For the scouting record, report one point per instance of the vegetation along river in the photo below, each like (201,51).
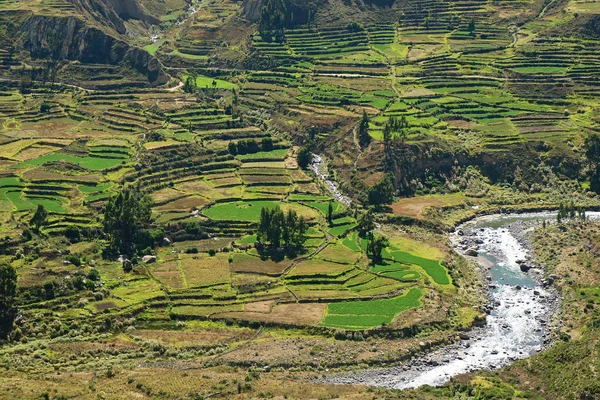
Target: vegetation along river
(520,310)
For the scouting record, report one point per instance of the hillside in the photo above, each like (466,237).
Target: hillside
(144,143)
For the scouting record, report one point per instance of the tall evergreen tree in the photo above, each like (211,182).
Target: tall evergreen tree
(364,139)
(126,216)
(8,291)
(39,218)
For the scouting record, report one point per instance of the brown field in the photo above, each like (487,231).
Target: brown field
(414,206)
(293,314)
(193,338)
(185,204)
(219,175)
(319,267)
(41,174)
(339,253)
(260,306)
(243,262)
(202,270)
(224,182)
(166,195)
(204,244)
(265,179)
(310,188)
(168,273)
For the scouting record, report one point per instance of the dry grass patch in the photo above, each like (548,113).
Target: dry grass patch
(168,273)
(318,267)
(193,338)
(184,204)
(415,206)
(339,253)
(201,270)
(243,262)
(292,314)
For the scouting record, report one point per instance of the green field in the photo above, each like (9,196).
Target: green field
(432,267)
(239,210)
(369,313)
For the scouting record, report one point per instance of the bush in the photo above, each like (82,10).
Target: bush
(304,157)
(45,108)
(212,252)
(73,233)
(191,250)
(74,259)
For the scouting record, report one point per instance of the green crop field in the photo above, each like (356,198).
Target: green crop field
(239,211)
(369,313)
(432,267)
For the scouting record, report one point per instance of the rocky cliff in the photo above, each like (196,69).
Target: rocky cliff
(71,38)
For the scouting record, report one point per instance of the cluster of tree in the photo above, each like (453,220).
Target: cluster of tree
(304,157)
(277,229)
(364,139)
(127,223)
(375,243)
(355,27)
(250,146)
(8,291)
(39,218)
(382,192)
(190,85)
(396,157)
(570,211)
(592,152)
(274,17)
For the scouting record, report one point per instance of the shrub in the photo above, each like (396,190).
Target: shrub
(73,233)
(74,259)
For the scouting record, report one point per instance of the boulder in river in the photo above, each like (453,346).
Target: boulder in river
(471,252)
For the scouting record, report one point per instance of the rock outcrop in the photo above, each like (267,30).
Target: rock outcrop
(70,38)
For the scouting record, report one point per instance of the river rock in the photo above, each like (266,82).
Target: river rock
(471,252)
(149,259)
(524,267)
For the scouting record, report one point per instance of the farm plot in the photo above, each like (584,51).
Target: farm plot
(201,270)
(369,313)
(433,268)
(242,262)
(239,210)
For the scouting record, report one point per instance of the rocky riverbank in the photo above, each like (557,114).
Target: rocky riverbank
(521,307)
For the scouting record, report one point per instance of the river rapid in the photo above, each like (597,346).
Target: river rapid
(520,309)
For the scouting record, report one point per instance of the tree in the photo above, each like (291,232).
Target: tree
(375,245)
(190,85)
(471,27)
(592,153)
(364,139)
(273,20)
(382,192)
(232,147)
(304,157)
(330,213)
(126,217)
(8,291)
(366,223)
(266,144)
(39,218)
(45,108)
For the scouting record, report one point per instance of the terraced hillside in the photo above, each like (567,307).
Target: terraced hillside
(426,113)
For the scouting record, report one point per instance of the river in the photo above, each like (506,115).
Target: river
(520,311)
